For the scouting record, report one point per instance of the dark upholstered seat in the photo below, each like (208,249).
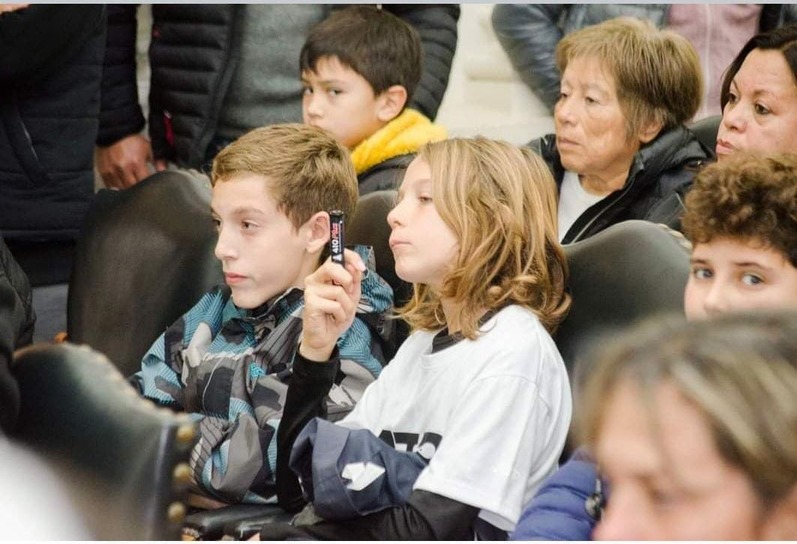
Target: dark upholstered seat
(145,256)
(369,227)
(628,272)
(706,130)
(124,460)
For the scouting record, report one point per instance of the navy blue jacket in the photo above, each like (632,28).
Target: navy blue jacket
(355,473)
(562,509)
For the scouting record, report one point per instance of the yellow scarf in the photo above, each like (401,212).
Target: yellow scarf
(404,134)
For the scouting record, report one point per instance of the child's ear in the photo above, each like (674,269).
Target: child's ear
(317,232)
(390,103)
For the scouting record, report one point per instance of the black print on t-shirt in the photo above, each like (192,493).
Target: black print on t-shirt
(424,445)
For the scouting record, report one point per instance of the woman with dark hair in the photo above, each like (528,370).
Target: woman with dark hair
(759,95)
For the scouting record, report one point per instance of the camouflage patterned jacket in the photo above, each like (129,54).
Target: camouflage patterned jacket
(230,367)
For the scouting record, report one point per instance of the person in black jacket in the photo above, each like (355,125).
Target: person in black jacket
(621,150)
(219,71)
(50,77)
(17,319)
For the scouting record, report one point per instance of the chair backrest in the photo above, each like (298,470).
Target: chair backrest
(145,256)
(706,130)
(623,274)
(124,459)
(369,227)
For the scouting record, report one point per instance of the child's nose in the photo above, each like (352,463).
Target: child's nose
(313,106)
(716,300)
(393,216)
(224,249)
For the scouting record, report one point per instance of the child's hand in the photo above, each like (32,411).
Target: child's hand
(331,294)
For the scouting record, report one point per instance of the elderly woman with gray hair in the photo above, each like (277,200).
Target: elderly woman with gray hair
(621,150)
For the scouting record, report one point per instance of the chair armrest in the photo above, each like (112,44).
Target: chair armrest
(213,524)
(243,530)
(125,460)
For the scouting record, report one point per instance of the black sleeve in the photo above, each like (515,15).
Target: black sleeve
(16,330)
(120,112)
(436,25)
(9,391)
(426,516)
(310,383)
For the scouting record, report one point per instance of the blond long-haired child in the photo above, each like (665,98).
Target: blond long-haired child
(478,390)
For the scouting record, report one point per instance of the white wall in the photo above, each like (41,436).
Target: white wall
(485,96)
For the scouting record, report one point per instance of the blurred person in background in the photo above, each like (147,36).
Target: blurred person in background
(695,429)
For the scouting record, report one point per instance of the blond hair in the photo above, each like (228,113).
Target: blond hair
(739,370)
(657,72)
(307,169)
(500,201)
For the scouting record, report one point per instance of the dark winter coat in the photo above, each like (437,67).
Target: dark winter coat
(50,76)
(660,175)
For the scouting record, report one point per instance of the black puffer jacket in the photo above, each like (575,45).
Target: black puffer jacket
(50,73)
(659,177)
(16,330)
(192,59)
(385,175)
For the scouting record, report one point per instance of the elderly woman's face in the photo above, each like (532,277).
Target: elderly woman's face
(591,133)
(668,480)
(761,113)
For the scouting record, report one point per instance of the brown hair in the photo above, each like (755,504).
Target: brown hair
(376,44)
(657,72)
(746,197)
(500,201)
(307,170)
(739,370)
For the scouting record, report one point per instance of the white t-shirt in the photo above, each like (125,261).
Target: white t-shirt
(492,413)
(573,201)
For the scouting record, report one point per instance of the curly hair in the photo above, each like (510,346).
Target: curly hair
(746,197)
(500,201)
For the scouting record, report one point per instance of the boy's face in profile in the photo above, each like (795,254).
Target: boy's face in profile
(261,252)
(340,101)
(733,275)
